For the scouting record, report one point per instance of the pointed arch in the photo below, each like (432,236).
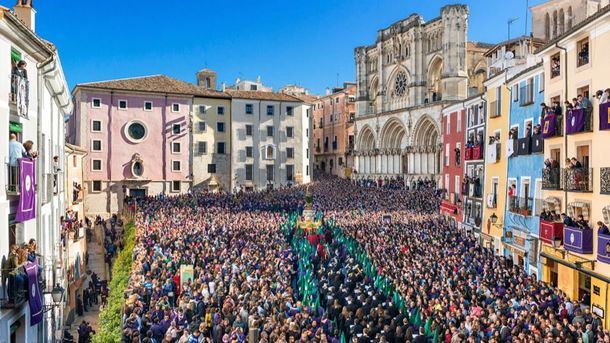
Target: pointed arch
(366,139)
(425,132)
(562,21)
(434,74)
(392,134)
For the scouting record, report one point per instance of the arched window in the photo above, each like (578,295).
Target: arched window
(270,152)
(554,24)
(562,21)
(570,17)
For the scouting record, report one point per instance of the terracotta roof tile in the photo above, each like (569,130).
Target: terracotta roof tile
(155,84)
(255,95)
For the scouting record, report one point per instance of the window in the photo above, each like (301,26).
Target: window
(289,152)
(541,83)
(96,145)
(459,121)
(248,172)
(212,168)
(527,92)
(96,103)
(290,111)
(136,131)
(270,110)
(202,148)
(269,172)
(96,165)
(340,161)
(122,104)
(448,128)
(220,127)
(515,92)
(249,109)
(269,131)
(248,130)
(555,65)
(336,100)
(220,110)
(97,186)
(289,172)
(249,151)
(447,155)
(175,107)
(202,109)
(307,132)
(176,129)
(583,52)
(289,132)
(307,170)
(176,147)
(253,87)
(96,126)
(148,105)
(202,126)
(176,186)
(220,148)
(269,152)
(176,166)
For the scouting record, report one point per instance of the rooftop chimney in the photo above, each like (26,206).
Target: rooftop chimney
(26,13)
(224,86)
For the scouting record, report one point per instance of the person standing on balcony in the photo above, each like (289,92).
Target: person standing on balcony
(512,193)
(602,228)
(15,150)
(29,150)
(20,69)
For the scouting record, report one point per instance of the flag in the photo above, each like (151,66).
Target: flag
(549,125)
(604,116)
(26,209)
(35,300)
(492,153)
(575,121)
(510,147)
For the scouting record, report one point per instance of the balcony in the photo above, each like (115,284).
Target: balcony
(603,248)
(551,127)
(473,153)
(578,121)
(604,180)
(524,146)
(551,232)
(578,240)
(551,179)
(578,180)
(491,200)
(520,205)
(20,94)
(12,179)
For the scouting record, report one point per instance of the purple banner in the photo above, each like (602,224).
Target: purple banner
(604,116)
(549,126)
(27,198)
(603,248)
(578,240)
(34,298)
(575,121)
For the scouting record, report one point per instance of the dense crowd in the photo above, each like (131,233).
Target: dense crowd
(383,267)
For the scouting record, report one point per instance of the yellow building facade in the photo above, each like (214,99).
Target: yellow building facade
(211,141)
(578,261)
(498,109)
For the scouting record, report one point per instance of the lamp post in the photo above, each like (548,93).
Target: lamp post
(57,295)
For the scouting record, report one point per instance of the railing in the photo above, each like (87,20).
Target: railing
(12,179)
(603,248)
(578,180)
(551,179)
(578,121)
(578,240)
(520,205)
(551,232)
(604,180)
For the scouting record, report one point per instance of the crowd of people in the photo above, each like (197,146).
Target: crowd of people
(383,267)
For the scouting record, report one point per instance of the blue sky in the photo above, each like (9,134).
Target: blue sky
(307,42)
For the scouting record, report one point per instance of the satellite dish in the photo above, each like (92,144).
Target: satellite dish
(509,55)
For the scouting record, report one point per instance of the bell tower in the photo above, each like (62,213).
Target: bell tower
(207,78)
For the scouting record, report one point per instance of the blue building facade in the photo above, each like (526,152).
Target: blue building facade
(525,151)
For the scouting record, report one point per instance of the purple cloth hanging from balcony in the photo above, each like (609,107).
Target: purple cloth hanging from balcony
(26,209)
(604,116)
(549,126)
(575,121)
(34,297)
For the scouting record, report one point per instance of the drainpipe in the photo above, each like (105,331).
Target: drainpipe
(565,136)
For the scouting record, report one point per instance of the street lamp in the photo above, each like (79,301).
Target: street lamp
(57,294)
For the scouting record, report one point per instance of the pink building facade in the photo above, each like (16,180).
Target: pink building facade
(137,138)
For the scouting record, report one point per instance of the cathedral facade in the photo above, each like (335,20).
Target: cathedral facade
(414,69)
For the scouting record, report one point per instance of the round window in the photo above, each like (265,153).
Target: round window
(137,169)
(136,131)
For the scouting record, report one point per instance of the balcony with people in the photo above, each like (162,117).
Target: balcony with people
(579,115)
(19,153)
(20,87)
(494,149)
(551,120)
(16,278)
(578,234)
(577,178)
(551,175)
(520,205)
(603,243)
(474,149)
(471,186)
(551,228)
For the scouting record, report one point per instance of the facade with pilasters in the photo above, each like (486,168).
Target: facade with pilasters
(404,80)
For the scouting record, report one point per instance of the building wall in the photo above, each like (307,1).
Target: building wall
(496,170)
(454,123)
(595,75)
(568,13)
(117,152)
(476,116)
(526,167)
(259,141)
(211,135)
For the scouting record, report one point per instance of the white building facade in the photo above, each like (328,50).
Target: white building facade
(35,103)
(270,138)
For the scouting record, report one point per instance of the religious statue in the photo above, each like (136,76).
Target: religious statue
(307,222)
